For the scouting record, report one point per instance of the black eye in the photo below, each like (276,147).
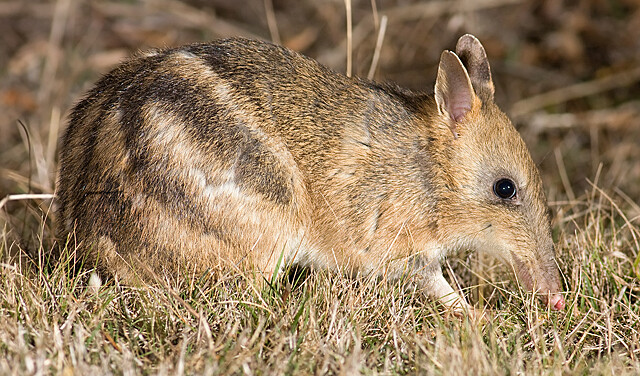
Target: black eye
(505,188)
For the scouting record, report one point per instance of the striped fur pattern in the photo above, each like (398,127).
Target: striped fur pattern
(234,153)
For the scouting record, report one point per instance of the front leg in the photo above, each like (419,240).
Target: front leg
(433,283)
(440,289)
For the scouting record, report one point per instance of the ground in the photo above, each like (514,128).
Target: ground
(567,73)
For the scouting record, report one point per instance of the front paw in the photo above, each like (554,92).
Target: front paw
(474,315)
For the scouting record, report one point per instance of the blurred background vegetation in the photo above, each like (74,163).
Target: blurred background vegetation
(566,71)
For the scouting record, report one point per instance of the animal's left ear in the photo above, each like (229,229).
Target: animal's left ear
(474,58)
(453,91)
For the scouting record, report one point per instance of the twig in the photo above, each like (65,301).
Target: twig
(432,9)
(111,341)
(564,177)
(336,55)
(444,7)
(182,15)
(56,34)
(54,127)
(347,4)
(376,53)
(576,91)
(620,116)
(374,12)
(26,196)
(33,9)
(271,22)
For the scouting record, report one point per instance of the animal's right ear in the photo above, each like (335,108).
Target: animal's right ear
(474,58)
(454,92)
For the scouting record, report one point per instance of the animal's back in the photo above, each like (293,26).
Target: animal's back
(226,153)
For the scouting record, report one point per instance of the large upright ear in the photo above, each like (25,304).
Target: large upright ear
(474,58)
(454,93)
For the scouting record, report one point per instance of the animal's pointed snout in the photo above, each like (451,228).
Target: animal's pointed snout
(555,301)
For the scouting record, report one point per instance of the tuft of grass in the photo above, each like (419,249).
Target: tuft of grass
(55,322)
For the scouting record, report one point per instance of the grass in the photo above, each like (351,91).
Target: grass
(55,322)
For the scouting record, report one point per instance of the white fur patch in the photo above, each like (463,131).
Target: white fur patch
(226,189)
(138,201)
(199,177)
(166,138)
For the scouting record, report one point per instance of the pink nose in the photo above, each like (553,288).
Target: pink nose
(557,302)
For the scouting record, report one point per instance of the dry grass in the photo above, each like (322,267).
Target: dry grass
(55,322)
(567,71)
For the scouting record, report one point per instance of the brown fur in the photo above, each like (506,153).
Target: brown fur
(230,154)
